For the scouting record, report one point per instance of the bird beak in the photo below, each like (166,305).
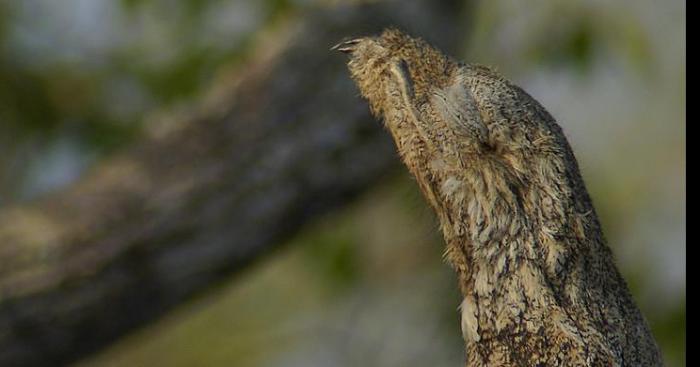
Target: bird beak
(346,46)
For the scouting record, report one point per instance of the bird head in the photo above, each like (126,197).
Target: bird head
(378,64)
(464,131)
(452,106)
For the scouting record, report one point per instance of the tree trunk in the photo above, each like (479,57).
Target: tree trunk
(204,195)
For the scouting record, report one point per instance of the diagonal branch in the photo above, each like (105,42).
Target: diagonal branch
(198,199)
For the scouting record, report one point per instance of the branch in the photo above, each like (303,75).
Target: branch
(203,195)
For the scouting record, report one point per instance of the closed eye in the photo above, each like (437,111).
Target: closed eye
(400,70)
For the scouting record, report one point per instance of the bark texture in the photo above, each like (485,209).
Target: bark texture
(539,282)
(203,195)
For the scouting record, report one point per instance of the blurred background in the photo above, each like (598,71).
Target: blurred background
(364,285)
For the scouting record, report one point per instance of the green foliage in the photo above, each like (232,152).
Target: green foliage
(173,81)
(670,328)
(332,254)
(573,46)
(26,103)
(41,100)
(558,35)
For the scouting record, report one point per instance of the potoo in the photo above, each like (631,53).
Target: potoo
(539,282)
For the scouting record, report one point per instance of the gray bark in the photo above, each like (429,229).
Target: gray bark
(199,199)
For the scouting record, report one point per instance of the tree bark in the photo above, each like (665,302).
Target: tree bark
(202,195)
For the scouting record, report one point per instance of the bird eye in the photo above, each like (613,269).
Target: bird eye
(404,66)
(400,69)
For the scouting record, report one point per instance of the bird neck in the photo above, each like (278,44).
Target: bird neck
(514,247)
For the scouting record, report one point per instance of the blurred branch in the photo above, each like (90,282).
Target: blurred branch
(204,195)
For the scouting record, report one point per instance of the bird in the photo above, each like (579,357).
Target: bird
(539,283)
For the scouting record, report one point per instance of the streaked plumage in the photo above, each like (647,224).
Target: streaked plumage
(539,282)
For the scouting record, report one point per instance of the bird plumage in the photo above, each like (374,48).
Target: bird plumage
(539,282)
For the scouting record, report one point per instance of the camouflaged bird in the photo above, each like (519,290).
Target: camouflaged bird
(539,283)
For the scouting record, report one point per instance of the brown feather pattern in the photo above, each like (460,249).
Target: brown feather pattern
(539,282)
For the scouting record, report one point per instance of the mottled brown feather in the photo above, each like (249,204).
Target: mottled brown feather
(539,282)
